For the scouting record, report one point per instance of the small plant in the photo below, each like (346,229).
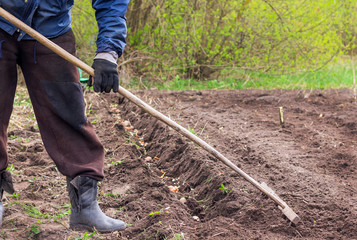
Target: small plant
(113,195)
(86,236)
(34,212)
(3,234)
(116,163)
(35,230)
(32,180)
(177,236)
(63,211)
(12,137)
(153,213)
(224,189)
(11,169)
(192,131)
(159,212)
(120,209)
(16,196)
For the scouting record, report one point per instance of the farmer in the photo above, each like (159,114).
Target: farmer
(57,98)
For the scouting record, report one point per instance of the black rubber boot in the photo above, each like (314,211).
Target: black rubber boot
(85,212)
(5,185)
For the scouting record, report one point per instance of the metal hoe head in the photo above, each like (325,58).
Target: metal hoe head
(287,211)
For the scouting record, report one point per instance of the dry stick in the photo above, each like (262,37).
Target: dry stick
(354,77)
(287,211)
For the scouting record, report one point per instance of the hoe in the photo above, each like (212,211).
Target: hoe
(287,211)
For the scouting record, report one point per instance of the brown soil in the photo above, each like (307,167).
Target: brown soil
(311,163)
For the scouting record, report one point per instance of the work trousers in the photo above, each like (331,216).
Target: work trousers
(57,99)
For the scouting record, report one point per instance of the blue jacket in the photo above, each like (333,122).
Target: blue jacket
(52,18)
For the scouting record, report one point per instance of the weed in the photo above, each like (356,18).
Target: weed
(204,200)
(153,213)
(120,209)
(12,137)
(34,212)
(224,189)
(11,169)
(16,196)
(192,131)
(32,180)
(116,163)
(35,230)
(3,234)
(61,214)
(22,98)
(113,195)
(134,143)
(158,212)
(177,236)
(85,236)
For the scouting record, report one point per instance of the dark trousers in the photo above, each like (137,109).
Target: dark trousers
(57,99)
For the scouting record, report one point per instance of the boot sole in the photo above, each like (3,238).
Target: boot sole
(82,227)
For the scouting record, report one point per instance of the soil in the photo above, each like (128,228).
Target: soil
(310,162)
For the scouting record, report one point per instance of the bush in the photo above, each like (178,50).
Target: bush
(194,38)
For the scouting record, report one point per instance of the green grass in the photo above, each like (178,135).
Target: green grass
(336,76)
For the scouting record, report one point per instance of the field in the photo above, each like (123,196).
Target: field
(310,162)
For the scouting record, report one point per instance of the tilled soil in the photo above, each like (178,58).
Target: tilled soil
(166,187)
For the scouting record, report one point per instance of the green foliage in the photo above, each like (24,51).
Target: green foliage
(191,129)
(85,29)
(177,236)
(224,189)
(334,76)
(86,236)
(63,211)
(153,213)
(35,230)
(173,40)
(16,196)
(32,211)
(348,26)
(11,169)
(193,38)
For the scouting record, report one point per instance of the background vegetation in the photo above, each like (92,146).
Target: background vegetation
(241,41)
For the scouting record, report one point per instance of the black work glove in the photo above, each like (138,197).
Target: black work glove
(105,76)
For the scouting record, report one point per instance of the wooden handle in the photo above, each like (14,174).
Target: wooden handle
(61,52)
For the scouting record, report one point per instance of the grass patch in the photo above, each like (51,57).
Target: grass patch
(34,212)
(334,76)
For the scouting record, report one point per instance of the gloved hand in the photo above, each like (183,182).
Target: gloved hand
(105,76)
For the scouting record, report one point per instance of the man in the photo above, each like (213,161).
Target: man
(57,98)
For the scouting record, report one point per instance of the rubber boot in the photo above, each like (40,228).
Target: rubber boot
(85,212)
(7,186)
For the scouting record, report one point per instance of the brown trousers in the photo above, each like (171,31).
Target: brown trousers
(57,98)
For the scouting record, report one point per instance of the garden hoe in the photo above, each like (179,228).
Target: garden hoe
(287,211)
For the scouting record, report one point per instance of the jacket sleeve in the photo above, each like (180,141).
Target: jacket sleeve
(110,15)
